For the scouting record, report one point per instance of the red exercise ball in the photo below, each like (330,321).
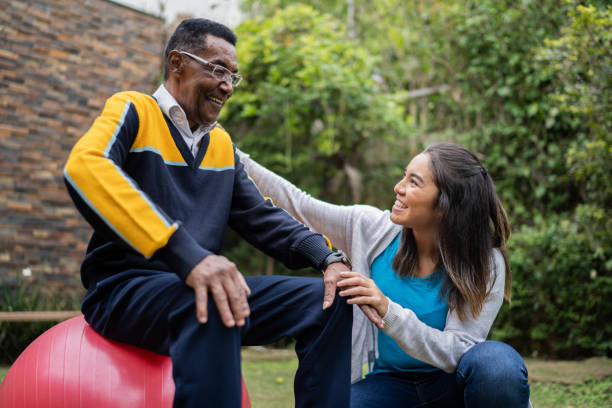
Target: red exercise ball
(72,366)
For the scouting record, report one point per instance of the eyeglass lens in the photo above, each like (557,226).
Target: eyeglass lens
(221,73)
(218,71)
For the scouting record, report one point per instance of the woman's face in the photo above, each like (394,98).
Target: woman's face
(415,196)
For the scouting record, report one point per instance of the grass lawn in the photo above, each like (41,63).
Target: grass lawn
(269,375)
(565,384)
(554,384)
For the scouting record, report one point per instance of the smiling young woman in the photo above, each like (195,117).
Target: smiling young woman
(415,197)
(434,269)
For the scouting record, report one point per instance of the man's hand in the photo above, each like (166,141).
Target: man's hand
(220,276)
(331,276)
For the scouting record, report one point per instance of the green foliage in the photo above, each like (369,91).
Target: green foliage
(26,295)
(487,90)
(563,264)
(501,100)
(581,61)
(526,85)
(562,283)
(3,371)
(311,109)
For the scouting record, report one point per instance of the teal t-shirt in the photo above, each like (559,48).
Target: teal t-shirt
(421,295)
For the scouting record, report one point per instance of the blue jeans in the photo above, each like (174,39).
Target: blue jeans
(490,374)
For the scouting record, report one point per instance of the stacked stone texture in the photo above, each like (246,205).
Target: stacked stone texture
(59,61)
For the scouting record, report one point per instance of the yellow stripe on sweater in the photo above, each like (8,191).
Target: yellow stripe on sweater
(151,136)
(108,190)
(220,153)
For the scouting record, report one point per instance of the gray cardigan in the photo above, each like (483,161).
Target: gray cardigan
(363,232)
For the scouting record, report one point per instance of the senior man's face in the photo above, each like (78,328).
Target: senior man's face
(200,93)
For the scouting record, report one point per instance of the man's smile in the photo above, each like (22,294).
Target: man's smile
(215,100)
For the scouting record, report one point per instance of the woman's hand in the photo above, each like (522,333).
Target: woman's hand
(363,292)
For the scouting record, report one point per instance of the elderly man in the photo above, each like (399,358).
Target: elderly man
(160,182)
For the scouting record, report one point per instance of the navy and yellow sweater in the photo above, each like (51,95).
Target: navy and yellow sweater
(154,206)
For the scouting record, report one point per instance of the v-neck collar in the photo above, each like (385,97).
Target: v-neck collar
(192,162)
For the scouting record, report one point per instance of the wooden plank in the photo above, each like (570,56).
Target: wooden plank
(42,316)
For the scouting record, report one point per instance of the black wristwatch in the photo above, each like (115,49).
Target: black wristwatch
(336,256)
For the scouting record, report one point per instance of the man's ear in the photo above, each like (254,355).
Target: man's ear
(175,63)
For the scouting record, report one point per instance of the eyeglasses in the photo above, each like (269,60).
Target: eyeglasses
(219,72)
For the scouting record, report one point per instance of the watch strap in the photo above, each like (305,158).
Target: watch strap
(334,257)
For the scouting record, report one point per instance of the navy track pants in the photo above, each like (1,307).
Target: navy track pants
(156,311)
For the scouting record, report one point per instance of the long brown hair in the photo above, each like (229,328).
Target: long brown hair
(472,223)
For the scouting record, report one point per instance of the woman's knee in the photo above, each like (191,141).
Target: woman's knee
(495,369)
(492,359)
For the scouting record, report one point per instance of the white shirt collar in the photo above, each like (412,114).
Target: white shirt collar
(175,112)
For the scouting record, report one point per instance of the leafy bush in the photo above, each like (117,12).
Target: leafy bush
(27,295)
(311,109)
(563,264)
(527,85)
(581,61)
(497,93)
(562,286)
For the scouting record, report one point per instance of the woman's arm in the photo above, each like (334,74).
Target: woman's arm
(442,349)
(334,221)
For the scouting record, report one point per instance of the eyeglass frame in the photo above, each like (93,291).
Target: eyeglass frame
(235,79)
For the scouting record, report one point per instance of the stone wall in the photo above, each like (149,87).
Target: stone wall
(59,61)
